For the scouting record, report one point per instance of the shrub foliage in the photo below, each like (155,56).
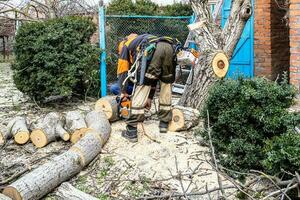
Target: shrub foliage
(55,57)
(244,114)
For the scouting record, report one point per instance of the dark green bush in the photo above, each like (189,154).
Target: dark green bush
(55,57)
(282,153)
(245,113)
(147,7)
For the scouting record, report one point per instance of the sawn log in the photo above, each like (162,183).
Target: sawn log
(183,118)
(17,128)
(75,125)
(50,128)
(109,106)
(67,192)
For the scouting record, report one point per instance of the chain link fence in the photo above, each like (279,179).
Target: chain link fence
(117,27)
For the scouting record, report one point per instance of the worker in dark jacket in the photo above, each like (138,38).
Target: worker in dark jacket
(161,67)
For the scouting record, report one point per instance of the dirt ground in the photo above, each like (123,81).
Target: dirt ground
(159,165)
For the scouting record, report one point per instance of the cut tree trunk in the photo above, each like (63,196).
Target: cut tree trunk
(48,130)
(109,106)
(67,192)
(4,135)
(211,40)
(76,125)
(18,129)
(183,118)
(46,177)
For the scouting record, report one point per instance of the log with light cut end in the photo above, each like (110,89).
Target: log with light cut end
(109,106)
(97,121)
(45,178)
(76,125)
(18,129)
(4,197)
(183,118)
(48,130)
(67,192)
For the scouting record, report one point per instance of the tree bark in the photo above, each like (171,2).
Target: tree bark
(46,177)
(3,197)
(67,192)
(4,135)
(48,130)
(18,129)
(109,106)
(97,121)
(75,125)
(211,39)
(183,118)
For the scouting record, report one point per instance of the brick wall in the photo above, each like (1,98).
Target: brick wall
(271,41)
(295,42)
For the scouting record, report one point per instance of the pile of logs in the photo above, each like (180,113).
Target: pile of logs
(183,118)
(48,176)
(69,127)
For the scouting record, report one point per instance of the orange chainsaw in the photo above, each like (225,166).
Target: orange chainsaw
(124,105)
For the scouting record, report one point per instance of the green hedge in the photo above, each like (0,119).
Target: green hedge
(147,7)
(55,57)
(244,115)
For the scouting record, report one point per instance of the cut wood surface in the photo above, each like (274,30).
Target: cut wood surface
(76,125)
(183,118)
(109,106)
(3,197)
(67,192)
(17,127)
(48,130)
(46,177)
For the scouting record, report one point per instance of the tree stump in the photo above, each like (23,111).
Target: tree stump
(109,106)
(48,130)
(67,192)
(46,177)
(183,118)
(76,125)
(18,129)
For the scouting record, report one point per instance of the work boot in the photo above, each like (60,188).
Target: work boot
(163,127)
(130,133)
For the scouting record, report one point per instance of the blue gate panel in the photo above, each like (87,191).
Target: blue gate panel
(242,61)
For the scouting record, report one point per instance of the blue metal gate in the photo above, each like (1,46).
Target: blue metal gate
(242,61)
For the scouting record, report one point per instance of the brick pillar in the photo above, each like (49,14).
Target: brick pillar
(262,38)
(295,43)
